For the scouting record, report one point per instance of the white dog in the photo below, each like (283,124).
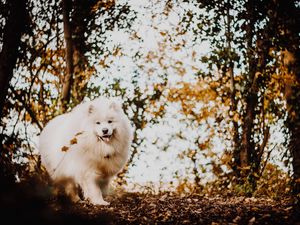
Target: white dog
(87,147)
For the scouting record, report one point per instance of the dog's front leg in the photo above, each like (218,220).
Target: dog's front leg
(92,191)
(104,186)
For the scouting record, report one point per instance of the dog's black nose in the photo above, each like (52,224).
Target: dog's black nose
(105,130)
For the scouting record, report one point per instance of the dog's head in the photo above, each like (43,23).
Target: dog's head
(104,117)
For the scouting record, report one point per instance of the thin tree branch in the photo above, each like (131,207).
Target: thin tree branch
(27,108)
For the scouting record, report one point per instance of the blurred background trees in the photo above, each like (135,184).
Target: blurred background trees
(249,43)
(212,87)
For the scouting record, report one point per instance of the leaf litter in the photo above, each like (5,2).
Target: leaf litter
(168,208)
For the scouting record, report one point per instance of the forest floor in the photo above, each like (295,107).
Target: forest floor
(138,208)
(135,208)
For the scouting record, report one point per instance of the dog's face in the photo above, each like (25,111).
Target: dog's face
(105,120)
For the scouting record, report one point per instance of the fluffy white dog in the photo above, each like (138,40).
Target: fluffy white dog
(87,147)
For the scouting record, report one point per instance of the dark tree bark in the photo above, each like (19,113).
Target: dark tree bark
(247,145)
(83,14)
(76,17)
(15,25)
(14,28)
(288,16)
(233,91)
(68,78)
(249,154)
(294,119)
(293,102)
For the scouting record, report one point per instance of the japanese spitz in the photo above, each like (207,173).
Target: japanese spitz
(86,148)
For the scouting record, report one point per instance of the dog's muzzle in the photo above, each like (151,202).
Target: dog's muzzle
(105,138)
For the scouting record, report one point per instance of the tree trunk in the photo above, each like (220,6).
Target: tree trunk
(294,129)
(233,110)
(293,120)
(14,27)
(13,30)
(76,17)
(68,78)
(247,145)
(289,40)
(233,100)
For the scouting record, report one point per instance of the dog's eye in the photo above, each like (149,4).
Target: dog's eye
(110,121)
(97,122)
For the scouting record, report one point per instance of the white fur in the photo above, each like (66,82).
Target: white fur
(73,147)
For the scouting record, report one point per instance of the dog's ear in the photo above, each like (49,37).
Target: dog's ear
(115,106)
(91,109)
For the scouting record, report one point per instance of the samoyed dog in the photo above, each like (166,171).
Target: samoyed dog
(85,148)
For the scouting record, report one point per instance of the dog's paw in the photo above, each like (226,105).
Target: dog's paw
(100,202)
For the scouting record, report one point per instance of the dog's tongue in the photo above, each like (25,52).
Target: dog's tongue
(106,139)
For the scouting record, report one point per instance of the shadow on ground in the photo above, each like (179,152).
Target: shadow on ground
(30,205)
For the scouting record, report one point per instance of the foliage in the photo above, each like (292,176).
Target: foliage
(206,84)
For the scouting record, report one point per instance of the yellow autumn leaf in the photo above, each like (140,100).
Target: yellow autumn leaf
(27,117)
(73,141)
(236,117)
(64,148)
(226,158)
(245,168)
(79,133)
(297,180)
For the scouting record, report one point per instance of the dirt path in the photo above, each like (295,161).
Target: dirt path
(133,208)
(29,206)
